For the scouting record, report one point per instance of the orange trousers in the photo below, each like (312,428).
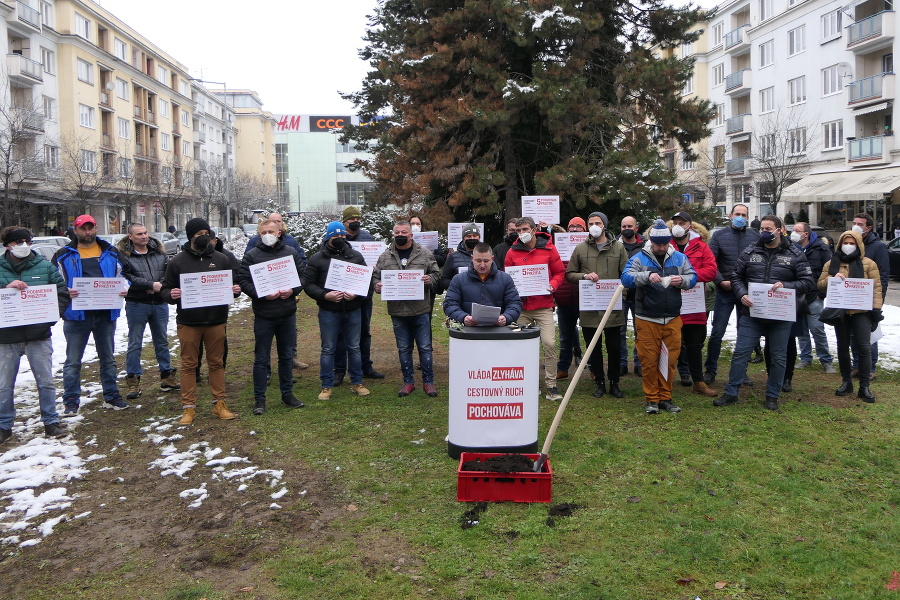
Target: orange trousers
(650,339)
(213,338)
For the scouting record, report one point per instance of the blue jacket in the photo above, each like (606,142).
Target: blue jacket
(497,290)
(112,264)
(652,300)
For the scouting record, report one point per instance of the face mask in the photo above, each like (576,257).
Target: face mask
(848,249)
(796,237)
(20,251)
(628,233)
(511,238)
(353,226)
(525,237)
(201,242)
(596,231)
(269,239)
(767,237)
(337,243)
(858,229)
(470,244)
(416,229)
(400,240)
(678,232)
(739,222)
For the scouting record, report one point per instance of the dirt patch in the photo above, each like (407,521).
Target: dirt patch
(505,463)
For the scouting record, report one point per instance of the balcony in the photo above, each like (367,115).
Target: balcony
(739,83)
(23,70)
(29,170)
(739,124)
(736,166)
(199,137)
(176,128)
(29,120)
(29,16)
(736,42)
(871,33)
(145,115)
(870,150)
(143,152)
(105,102)
(106,142)
(871,89)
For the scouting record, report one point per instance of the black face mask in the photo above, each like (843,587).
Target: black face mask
(337,243)
(767,237)
(470,244)
(353,226)
(401,240)
(201,242)
(628,233)
(511,238)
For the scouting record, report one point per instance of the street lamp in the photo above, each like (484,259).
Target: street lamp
(227,119)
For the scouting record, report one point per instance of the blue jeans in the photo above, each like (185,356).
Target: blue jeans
(98,324)
(725,303)
(343,326)
(40,357)
(365,342)
(284,330)
(628,306)
(812,325)
(414,329)
(567,317)
(777,334)
(139,314)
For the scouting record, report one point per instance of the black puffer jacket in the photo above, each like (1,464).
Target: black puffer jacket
(316,273)
(817,253)
(877,251)
(727,245)
(462,257)
(279,307)
(147,269)
(787,264)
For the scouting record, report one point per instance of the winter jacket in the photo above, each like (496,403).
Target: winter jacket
(870,271)
(818,254)
(704,264)
(726,245)
(219,246)
(877,251)
(543,253)
(316,273)
(148,268)
(419,258)
(34,270)
(288,240)
(191,261)
(497,290)
(112,264)
(461,257)
(787,264)
(361,235)
(263,308)
(632,247)
(653,302)
(607,262)
(500,251)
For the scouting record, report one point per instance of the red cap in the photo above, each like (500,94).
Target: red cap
(80,221)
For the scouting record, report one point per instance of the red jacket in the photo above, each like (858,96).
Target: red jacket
(544,253)
(704,264)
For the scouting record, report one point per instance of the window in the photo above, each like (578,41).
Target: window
(166,175)
(687,162)
(831,25)
(720,115)
(82,27)
(86,115)
(767,100)
(121,89)
(164,141)
(185,147)
(51,156)
(717,34)
(185,117)
(767,145)
(832,81)
(687,49)
(833,132)
(797,90)
(49,107)
(797,139)
(124,128)
(85,71)
(185,90)
(125,168)
(887,63)
(688,86)
(718,74)
(88,161)
(161,74)
(767,53)
(48,60)
(188,179)
(797,40)
(719,156)
(120,49)
(47,15)
(163,108)
(765,9)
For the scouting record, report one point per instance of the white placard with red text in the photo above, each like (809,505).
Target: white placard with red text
(778,305)
(101,293)
(541,208)
(427,239)
(348,277)
(34,304)
(596,296)
(565,243)
(694,300)
(531,280)
(274,275)
(402,285)
(850,293)
(370,251)
(206,289)
(454,233)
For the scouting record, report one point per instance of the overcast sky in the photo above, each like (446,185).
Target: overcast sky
(296,55)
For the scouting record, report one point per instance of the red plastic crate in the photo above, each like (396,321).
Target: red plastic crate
(487,486)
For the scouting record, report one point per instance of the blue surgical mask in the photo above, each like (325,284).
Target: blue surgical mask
(739,222)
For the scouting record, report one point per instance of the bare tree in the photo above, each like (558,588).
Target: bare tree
(21,158)
(166,186)
(709,170)
(80,170)
(209,187)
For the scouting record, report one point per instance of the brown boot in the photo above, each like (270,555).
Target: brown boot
(132,386)
(221,411)
(168,381)
(188,417)
(704,390)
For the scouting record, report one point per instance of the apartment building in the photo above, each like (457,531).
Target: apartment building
(804,94)
(214,160)
(254,148)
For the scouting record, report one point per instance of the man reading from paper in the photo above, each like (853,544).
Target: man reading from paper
(483,284)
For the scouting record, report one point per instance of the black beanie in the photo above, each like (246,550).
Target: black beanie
(194,225)
(16,234)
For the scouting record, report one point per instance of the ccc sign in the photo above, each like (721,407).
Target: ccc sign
(328,123)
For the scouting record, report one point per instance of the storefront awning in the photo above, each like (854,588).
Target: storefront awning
(844,186)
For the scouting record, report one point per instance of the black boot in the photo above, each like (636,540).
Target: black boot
(259,406)
(601,389)
(786,386)
(614,389)
(865,394)
(54,430)
(845,389)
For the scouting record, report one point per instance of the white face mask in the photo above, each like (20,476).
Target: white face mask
(416,229)
(678,232)
(20,251)
(269,239)
(796,237)
(525,237)
(858,229)
(848,249)
(596,231)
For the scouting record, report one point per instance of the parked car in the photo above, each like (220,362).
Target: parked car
(249,229)
(45,250)
(112,238)
(54,240)
(169,241)
(894,254)
(181,236)
(229,234)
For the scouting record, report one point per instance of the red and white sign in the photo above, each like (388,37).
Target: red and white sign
(275,275)
(348,277)
(541,208)
(34,304)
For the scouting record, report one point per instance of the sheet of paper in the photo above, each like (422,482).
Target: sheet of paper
(370,251)
(531,280)
(596,296)
(206,289)
(348,277)
(694,300)
(275,275)
(565,243)
(485,315)
(855,294)
(541,208)
(100,293)
(664,361)
(34,304)
(778,305)
(427,239)
(454,233)
(402,285)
